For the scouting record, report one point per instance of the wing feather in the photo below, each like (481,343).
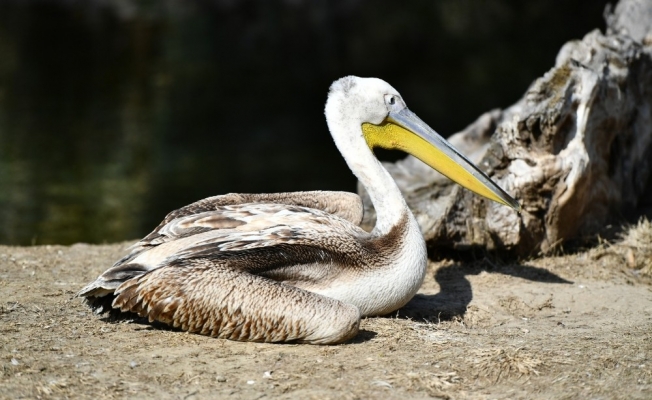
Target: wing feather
(201,296)
(239,271)
(235,232)
(343,204)
(196,218)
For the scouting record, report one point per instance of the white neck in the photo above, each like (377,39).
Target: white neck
(383,191)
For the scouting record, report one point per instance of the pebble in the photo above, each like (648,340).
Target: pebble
(220,378)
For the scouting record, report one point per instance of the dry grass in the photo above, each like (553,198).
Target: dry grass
(500,364)
(635,246)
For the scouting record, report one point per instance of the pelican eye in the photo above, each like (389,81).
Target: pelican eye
(392,101)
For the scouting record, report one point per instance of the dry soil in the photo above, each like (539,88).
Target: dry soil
(571,326)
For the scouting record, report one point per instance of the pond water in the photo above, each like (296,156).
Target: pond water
(113,113)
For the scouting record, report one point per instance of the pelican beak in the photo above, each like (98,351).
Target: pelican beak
(403,130)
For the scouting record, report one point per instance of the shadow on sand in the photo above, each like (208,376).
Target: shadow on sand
(456,292)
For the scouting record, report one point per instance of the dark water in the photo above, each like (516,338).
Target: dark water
(114,113)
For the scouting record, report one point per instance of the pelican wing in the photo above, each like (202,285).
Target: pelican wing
(343,204)
(239,272)
(234,235)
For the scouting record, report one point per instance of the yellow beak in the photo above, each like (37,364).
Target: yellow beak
(403,130)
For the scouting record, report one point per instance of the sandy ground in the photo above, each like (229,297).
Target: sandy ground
(572,326)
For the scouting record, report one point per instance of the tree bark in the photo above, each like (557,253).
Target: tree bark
(575,151)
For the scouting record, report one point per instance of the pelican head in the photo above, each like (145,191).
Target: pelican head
(368,112)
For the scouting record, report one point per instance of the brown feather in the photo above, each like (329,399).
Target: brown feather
(224,303)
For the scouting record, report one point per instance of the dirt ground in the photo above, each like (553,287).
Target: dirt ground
(571,326)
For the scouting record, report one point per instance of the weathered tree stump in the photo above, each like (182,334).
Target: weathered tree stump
(575,150)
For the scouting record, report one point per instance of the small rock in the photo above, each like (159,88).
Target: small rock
(133,364)
(250,382)
(220,378)
(14,361)
(267,375)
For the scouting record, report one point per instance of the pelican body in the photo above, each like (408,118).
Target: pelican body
(294,267)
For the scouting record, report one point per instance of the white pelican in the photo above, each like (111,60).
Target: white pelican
(295,266)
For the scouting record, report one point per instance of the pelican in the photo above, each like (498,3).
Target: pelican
(295,267)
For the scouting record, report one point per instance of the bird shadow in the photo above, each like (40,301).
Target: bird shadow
(456,291)
(363,336)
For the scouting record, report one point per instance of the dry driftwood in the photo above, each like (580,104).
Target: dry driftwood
(575,150)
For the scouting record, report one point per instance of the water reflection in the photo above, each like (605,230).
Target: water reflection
(113,113)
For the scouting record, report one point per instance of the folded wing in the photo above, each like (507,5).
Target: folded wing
(234,270)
